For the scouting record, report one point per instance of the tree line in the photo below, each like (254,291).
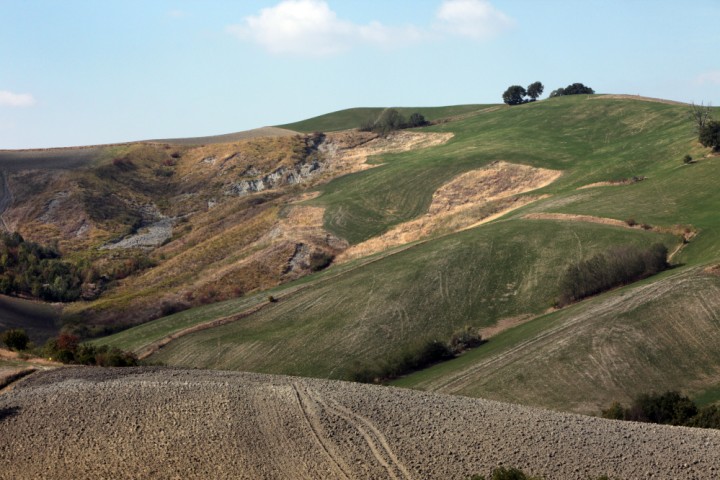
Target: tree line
(517,95)
(391,120)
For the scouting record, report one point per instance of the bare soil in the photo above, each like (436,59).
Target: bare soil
(167,423)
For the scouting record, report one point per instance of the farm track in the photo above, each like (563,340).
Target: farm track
(460,379)
(170,423)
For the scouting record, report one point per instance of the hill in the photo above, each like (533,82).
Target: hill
(163,423)
(337,253)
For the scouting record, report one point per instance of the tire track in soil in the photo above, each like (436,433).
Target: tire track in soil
(311,418)
(375,439)
(454,383)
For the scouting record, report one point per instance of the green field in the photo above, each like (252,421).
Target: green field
(39,320)
(655,334)
(354,117)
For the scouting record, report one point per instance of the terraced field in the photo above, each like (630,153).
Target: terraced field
(165,423)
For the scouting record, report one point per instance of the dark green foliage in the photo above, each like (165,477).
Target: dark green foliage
(574,89)
(465,339)
(410,360)
(707,417)
(534,90)
(16,339)
(417,120)
(514,95)
(615,267)
(710,135)
(687,159)
(391,120)
(669,408)
(35,270)
(320,260)
(66,348)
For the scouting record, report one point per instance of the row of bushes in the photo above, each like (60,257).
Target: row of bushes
(391,120)
(416,357)
(669,408)
(66,348)
(615,267)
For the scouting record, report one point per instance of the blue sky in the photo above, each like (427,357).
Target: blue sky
(102,71)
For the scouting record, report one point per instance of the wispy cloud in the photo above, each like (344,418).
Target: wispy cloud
(708,78)
(312,28)
(476,19)
(10,99)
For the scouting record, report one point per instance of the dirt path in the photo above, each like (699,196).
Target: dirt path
(210,424)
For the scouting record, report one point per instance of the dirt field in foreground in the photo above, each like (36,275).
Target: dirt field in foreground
(165,423)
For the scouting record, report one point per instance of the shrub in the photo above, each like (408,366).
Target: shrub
(16,339)
(615,267)
(667,408)
(710,135)
(687,159)
(707,417)
(465,339)
(320,260)
(631,222)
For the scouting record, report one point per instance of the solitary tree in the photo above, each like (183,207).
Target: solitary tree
(534,90)
(417,120)
(514,95)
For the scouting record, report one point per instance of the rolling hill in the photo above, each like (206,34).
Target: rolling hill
(471,221)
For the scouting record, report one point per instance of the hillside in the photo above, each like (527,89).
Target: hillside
(469,222)
(164,423)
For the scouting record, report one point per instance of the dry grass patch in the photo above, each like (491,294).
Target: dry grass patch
(468,200)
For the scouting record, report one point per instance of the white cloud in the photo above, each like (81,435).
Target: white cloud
(476,19)
(10,99)
(709,78)
(311,28)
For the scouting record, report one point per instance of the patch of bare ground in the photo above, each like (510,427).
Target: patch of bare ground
(348,151)
(166,423)
(637,97)
(713,270)
(613,183)
(504,324)
(468,200)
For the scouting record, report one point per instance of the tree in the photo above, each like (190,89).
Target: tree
(417,120)
(574,89)
(710,135)
(700,116)
(514,95)
(16,339)
(534,90)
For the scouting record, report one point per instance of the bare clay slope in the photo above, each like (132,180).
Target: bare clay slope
(162,423)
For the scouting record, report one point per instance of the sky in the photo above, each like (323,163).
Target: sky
(78,72)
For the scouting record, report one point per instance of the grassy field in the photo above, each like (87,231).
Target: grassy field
(426,292)
(591,139)
(39,320)
(354,117)
(657,334)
